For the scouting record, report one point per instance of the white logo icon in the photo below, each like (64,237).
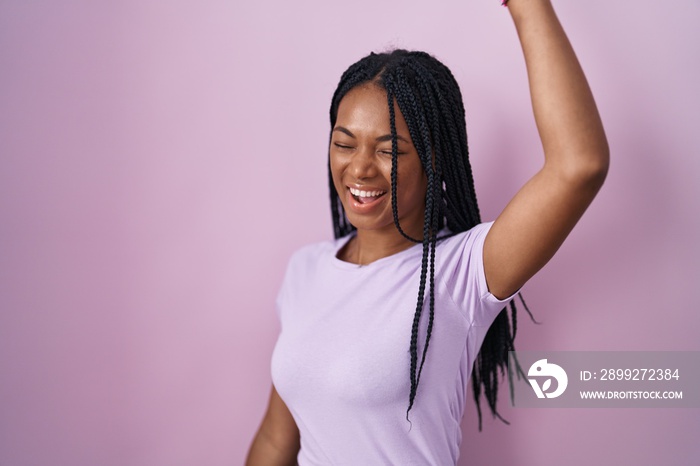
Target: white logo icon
(542,368)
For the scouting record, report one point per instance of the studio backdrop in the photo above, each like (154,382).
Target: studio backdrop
(161,160)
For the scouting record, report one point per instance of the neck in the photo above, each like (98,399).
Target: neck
(370,245)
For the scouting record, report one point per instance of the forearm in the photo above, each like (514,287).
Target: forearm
(565,112)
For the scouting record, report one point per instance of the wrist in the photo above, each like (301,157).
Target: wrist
(520,9)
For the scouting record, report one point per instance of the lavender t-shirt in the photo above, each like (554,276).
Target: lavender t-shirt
(341,363)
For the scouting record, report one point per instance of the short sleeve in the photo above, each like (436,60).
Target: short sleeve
(462,271)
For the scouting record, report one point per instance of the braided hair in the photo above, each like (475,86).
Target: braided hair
(431,103)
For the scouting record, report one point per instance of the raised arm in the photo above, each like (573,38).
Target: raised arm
(540,216)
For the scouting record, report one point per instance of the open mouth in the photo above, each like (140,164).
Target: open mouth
(366,197)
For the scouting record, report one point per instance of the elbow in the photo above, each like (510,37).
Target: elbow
(596,169)
(601,161)
(587,170)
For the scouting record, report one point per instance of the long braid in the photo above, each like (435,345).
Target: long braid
(423,143)
(406,100)
(430,101)
(415,377)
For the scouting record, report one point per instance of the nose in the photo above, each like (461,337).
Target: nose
(363,164)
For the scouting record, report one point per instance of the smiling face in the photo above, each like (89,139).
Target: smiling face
(360,159)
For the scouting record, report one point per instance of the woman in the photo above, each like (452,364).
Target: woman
(406,220)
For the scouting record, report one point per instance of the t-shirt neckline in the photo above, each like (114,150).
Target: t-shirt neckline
(341,242)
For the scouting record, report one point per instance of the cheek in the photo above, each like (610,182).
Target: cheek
(337,168)
(418,195)
(412,183)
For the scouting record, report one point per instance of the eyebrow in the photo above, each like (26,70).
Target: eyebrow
(386,137)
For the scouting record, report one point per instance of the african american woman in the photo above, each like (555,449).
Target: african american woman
(384,326)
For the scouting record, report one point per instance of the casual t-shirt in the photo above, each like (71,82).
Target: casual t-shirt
(342,362)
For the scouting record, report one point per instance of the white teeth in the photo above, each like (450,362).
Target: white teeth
(360,193)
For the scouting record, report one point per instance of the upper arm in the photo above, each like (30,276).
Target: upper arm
(281,423)
(535,223)
(277,441)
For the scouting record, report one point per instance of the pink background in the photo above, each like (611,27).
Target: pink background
(159,161)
